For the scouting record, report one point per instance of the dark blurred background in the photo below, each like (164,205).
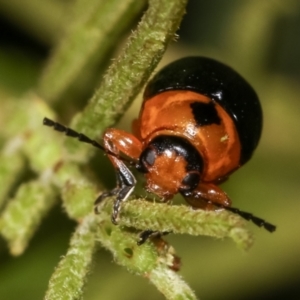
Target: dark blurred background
(261,40)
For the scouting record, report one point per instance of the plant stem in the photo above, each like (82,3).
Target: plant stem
(24,214)
(95,28)
(153,260)
(68,280)
(170,284)
(130,71)
(142,215)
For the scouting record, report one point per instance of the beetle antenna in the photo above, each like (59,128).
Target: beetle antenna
(72,133)
(80,136)
(249,217)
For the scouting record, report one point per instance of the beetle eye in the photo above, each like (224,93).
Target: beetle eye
(190,181)
(147,159)
(149,156)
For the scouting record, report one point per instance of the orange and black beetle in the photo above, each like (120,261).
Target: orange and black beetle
(199,122)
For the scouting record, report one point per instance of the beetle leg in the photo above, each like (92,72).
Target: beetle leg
(127,183)
(207,196)
(146,234)
(118,142)
(103,196)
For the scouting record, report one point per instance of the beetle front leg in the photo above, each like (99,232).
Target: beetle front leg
(207,196)
(125,185)
(117,142)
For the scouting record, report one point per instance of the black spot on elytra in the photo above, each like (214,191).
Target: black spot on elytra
(205,113)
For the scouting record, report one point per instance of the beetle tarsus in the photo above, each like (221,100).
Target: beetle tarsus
(144,236)
(103,196)
(123,194)
(147,234)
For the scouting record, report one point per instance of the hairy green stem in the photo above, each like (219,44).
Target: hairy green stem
(69,277)
(170,284)
(142,215)
(130,71)
(155,261)
(95,28)
(12,165)
(24,214)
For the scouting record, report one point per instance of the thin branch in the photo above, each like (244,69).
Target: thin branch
(94,28)
(130,71)
(156,261)
(24,214)
(142,215)
(68,280)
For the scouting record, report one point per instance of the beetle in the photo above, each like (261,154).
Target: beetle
(199,122)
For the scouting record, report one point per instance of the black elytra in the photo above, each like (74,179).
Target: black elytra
(224,86)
